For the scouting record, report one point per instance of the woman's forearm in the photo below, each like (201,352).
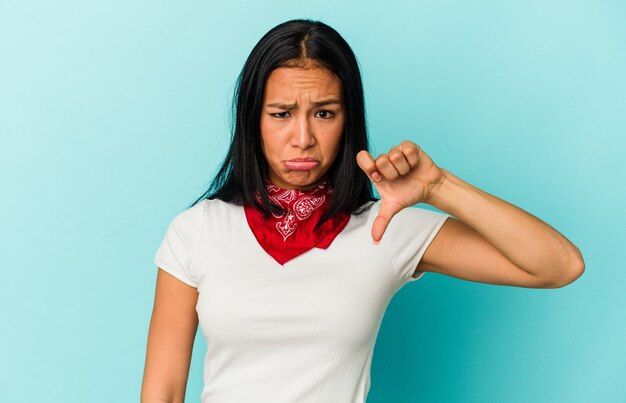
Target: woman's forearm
(524,239)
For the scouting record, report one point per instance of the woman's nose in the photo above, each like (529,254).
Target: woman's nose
(303,136)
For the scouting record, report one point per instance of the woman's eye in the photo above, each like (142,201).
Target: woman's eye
(280,114)
(325,114)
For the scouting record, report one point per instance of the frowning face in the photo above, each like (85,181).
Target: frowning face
(302,122)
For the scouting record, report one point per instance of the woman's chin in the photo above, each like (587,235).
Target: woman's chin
(299,180)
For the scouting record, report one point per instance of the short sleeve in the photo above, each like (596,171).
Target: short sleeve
(178,248)
(408,235)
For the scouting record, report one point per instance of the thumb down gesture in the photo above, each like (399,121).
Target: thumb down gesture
(403,177)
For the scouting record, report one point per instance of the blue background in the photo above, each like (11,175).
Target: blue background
(114,116)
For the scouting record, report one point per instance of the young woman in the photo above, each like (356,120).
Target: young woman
(288,262)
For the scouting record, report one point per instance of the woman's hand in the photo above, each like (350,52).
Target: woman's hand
(403,177)
(508,245)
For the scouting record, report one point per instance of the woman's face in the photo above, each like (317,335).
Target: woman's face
(301,125)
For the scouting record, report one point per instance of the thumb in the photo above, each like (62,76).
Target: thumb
(381,222)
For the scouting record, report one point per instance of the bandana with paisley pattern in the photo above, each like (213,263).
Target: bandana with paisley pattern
(292,233)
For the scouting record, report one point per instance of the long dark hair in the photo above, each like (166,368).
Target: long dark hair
(244,169)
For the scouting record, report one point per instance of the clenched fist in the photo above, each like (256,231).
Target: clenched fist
(403,177)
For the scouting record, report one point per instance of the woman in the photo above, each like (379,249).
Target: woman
(288,262)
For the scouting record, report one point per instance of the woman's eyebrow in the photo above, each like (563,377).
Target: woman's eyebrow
(281,105)
(327,102)
(293,106)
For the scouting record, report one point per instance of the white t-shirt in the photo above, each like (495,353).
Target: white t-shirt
(299,333)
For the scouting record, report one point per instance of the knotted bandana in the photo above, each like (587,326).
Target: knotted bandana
(292,233)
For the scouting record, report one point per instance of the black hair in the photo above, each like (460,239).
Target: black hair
(295,43)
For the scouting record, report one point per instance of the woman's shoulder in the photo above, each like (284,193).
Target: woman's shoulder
(373,207)
(214,207)
(366,208)
(198,212)
(411,217)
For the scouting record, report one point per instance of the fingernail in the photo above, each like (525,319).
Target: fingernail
(375,242)
(376,176)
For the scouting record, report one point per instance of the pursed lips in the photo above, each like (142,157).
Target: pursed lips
(301,163)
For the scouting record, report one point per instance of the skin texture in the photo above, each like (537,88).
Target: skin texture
(298,128)
(173,327)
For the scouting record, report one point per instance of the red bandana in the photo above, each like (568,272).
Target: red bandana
(291,234)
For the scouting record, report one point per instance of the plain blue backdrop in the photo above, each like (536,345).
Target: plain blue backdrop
(114,116)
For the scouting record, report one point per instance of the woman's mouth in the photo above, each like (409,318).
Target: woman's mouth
(301,164)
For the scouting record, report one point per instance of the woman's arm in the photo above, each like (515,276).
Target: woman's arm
(492,241)
(170,341)
(496,242)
